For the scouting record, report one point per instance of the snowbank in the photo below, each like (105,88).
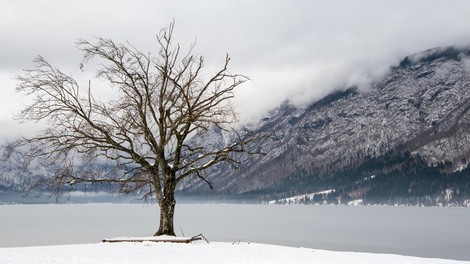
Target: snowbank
(201,252)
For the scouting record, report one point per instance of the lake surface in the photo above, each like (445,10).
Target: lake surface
(417,231)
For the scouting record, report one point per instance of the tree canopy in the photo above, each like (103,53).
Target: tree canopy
(159,103)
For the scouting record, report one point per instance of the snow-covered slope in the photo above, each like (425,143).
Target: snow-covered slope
(422,107)
(410,129)
(214,253)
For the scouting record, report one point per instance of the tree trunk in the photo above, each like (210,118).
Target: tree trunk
(167,213)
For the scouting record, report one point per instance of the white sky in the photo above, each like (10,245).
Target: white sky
(296,50)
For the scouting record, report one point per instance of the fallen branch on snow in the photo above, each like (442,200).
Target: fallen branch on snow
(164,239)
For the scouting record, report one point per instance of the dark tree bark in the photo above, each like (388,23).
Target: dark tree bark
(159,104)
(167,213)
(167,208)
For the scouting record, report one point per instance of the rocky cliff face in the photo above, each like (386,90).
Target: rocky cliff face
(421,107)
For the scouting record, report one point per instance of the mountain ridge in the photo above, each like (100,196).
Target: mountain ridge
(405,140)
(417,114)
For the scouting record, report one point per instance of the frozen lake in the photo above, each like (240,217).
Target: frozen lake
(416,231)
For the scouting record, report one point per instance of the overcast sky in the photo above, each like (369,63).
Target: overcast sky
(292,50)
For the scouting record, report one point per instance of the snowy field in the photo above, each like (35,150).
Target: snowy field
(214,253)
(442,233)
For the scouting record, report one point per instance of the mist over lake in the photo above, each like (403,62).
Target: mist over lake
(418,231)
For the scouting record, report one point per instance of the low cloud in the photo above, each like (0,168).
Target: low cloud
(297,51)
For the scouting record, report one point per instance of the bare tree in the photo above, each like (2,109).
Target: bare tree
(159,104)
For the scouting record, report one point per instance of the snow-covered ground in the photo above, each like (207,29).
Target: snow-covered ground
(200,252)
(301,198)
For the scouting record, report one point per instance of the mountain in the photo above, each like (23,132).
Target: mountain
(404,140)
(21,183)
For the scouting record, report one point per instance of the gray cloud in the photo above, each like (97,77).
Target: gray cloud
(295,50)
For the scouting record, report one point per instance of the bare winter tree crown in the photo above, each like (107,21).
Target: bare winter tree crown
(160,103)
